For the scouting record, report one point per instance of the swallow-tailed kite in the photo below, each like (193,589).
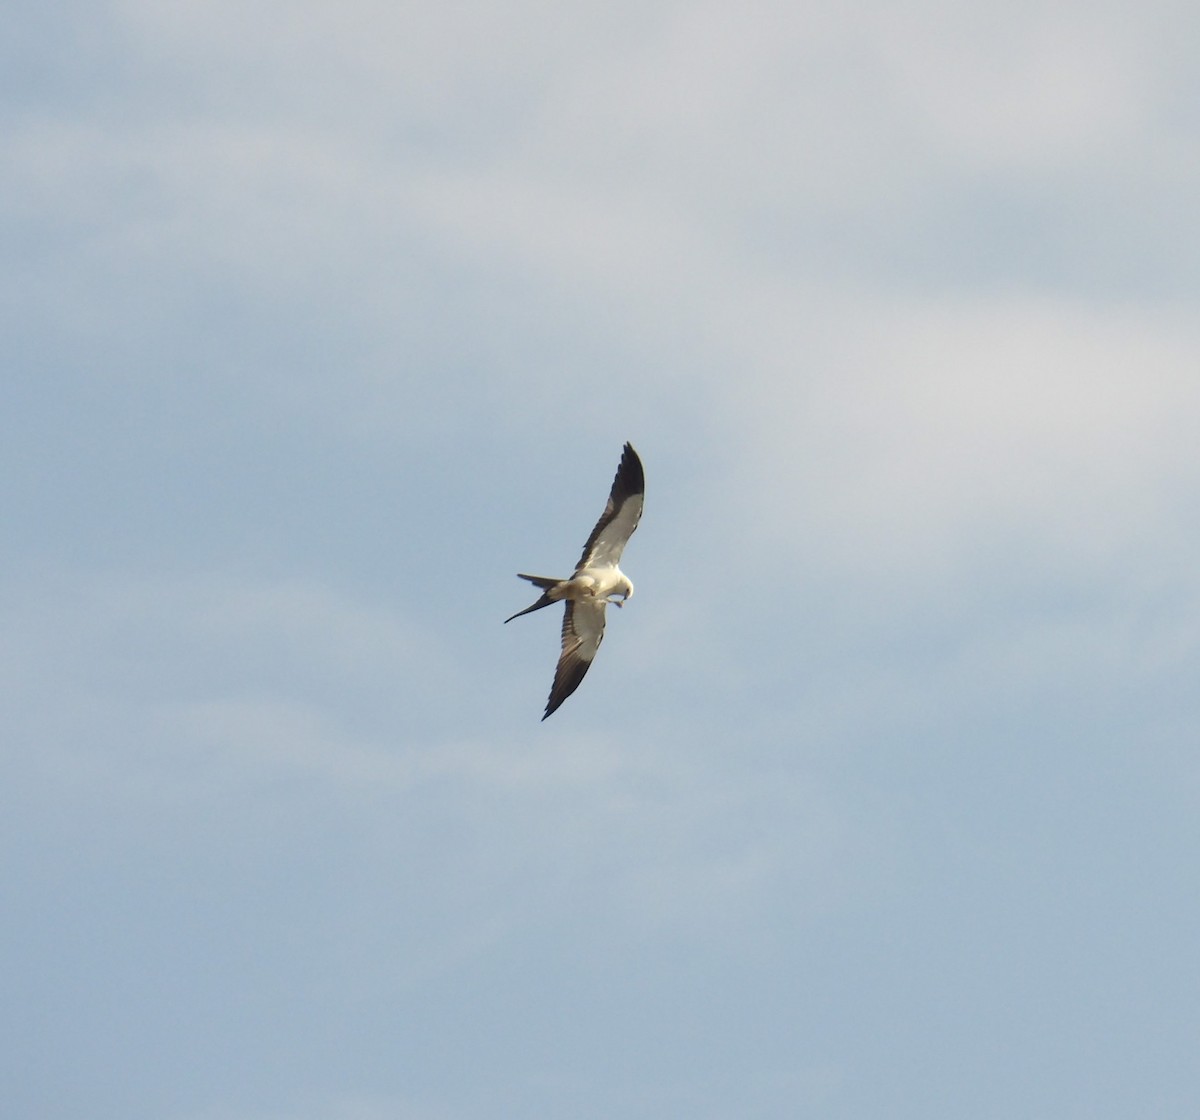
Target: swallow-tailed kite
(597,580)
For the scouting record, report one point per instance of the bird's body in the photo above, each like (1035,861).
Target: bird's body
(596,582)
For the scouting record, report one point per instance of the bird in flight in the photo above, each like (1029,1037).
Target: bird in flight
(597,581)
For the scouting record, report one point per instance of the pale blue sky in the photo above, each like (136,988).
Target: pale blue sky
(322,321)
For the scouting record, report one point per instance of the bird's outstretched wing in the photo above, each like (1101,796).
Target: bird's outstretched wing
(620,517)
(582,633)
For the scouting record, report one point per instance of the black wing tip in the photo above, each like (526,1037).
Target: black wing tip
(630,478)
(554,703)
(565,683)
(631,460)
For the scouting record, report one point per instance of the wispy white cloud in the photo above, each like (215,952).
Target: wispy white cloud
(961,430)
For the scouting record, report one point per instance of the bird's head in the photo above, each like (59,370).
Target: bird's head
(624,589)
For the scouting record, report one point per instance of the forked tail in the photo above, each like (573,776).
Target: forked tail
(546,584)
